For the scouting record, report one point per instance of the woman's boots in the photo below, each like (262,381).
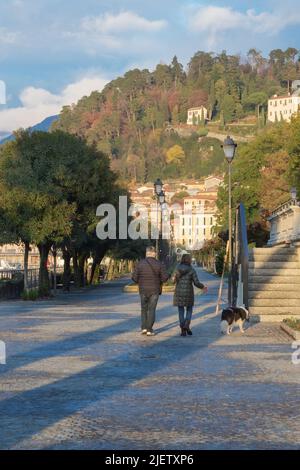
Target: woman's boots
(187,328)
(183,331)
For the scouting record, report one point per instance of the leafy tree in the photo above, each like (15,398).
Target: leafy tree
(175,154)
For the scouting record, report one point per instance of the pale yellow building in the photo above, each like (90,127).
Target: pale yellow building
(282,108)
(195,115)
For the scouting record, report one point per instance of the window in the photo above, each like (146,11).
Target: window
(204,221)
(183,231)
(204,231)
(211,221)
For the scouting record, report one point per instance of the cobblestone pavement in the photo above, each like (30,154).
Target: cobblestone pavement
(80,376)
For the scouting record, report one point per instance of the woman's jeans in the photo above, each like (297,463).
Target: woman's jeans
(187,318)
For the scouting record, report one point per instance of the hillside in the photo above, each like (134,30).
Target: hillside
(132,118)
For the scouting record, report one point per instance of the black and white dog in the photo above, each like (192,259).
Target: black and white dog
(232,316)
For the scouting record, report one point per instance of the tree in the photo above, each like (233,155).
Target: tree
(63,181)
(175,154)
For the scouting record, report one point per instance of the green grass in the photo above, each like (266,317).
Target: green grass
(293,323)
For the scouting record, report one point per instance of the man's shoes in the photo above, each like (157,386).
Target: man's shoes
(150,333)
(183,332)
(144,332)
(189,332)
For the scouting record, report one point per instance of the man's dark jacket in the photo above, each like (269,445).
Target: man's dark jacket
(149,274)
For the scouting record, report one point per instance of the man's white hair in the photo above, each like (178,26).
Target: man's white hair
(150,250)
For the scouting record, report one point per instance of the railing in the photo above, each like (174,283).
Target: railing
(285,223)
(14,274)
(240,262)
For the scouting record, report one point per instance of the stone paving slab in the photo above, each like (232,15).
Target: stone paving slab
(80,376)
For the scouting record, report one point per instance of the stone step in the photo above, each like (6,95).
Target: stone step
(256,287)
(272,280)
(274,294)
(274,250)
(274,272)
(287,302)
(272,264)
(274,257)
(286,311)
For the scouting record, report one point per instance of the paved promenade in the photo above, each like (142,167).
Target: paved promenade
(80,376)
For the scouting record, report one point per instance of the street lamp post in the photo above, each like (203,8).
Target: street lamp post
(293,193)
(162,200)
(229,147)
(158,189)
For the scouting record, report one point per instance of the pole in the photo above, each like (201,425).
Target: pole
(229,237)
(157,234)
(222,279)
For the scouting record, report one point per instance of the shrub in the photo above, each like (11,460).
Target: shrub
(293,323)
(32,294)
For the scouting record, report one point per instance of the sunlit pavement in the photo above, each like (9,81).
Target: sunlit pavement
(80,376)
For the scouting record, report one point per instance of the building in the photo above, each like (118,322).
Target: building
(211,183)
(196,115)
(282,108)
(197,220)
(13,256)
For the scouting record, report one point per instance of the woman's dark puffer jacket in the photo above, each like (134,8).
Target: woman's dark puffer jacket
(185,279)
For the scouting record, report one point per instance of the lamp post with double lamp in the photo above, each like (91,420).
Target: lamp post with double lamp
(158,189)
(229,147)
(162,200)
(293,193)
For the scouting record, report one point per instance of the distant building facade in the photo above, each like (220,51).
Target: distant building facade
(196,115)
(282,108)
(197,220)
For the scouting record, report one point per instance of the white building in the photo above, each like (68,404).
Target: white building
(283,107)
(196,115)
(197,221)
(211,183)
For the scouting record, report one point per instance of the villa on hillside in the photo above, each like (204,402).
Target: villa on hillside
(282,108)
(196,115)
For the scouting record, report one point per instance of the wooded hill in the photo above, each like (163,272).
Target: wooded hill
(129,119)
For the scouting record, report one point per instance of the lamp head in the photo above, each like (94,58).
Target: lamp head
(162,197)
(229,147)
(158,186)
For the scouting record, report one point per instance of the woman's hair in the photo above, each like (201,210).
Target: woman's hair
(186,259)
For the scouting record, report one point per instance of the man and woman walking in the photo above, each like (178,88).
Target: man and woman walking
(150,274)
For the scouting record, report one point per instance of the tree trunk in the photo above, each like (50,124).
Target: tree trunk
(76,269)
(81,270)
(44,284)
(67,269)
(98,257)
(54,269)
(26,256)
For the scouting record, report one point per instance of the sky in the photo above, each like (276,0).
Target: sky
(53,52)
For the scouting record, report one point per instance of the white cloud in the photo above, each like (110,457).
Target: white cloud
(212,20)
(121,23)
(124,32)
(38,103)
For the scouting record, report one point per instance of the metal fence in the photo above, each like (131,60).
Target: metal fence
(18,275)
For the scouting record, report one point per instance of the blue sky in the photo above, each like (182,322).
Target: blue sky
(54,51)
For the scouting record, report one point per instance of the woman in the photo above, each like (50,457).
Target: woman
(185,278)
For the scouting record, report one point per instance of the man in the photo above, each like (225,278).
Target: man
(149,274)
